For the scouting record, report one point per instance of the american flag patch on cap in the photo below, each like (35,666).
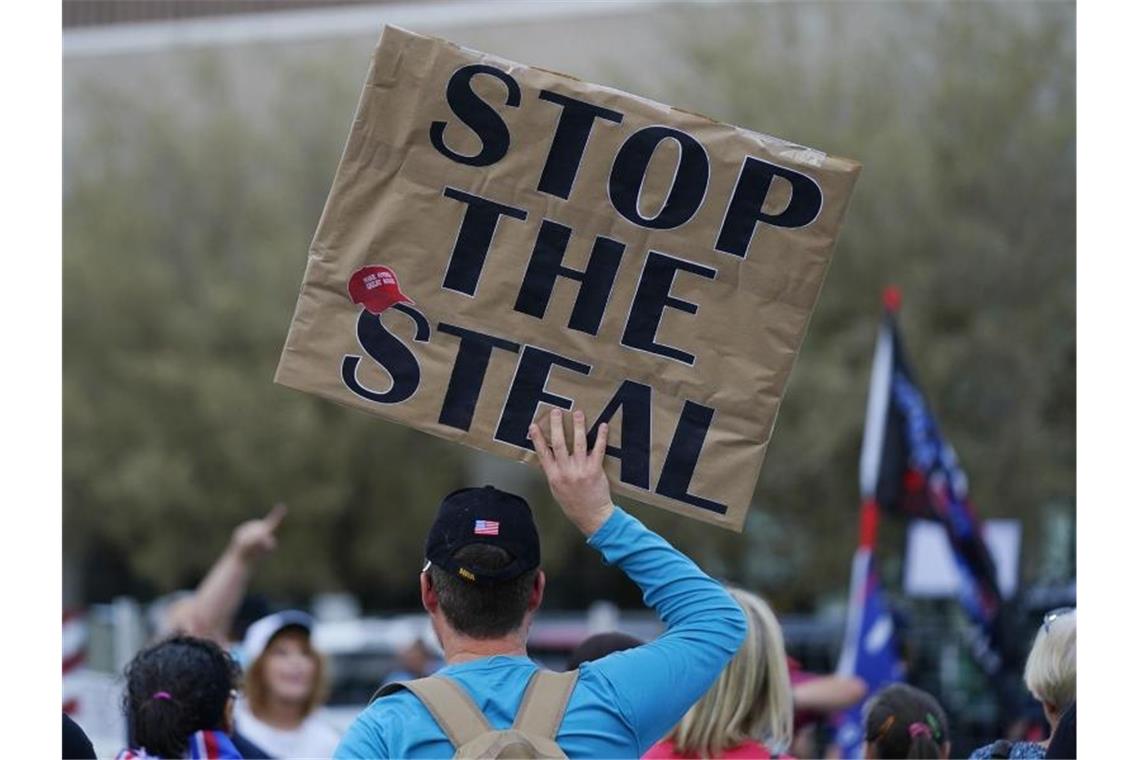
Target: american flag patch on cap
(486,528)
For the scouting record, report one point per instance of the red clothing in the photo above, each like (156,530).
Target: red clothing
(749,750)
(798,675)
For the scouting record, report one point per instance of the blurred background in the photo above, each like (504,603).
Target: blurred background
(200,141)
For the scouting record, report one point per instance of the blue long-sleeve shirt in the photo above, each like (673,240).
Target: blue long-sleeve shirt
(623,702)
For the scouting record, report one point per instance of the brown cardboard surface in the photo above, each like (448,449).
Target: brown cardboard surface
(388,207)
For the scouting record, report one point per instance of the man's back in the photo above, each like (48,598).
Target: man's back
(593,726)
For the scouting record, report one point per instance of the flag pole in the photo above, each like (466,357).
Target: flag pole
(870,457)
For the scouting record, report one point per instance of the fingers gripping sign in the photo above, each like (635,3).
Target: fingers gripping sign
(576,478)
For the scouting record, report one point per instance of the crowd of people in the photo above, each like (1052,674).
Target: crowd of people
(716,683)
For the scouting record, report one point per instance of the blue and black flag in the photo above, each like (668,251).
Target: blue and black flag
(908,467)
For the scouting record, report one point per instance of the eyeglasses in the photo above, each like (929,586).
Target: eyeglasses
(1052,615)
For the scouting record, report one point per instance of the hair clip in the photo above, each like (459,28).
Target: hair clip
(934,727)
(884,728)
(162,695)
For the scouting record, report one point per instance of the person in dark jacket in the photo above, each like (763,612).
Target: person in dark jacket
(76,745)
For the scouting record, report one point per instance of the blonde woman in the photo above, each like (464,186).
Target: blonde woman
(284,689)
(748,711)
(1050,676)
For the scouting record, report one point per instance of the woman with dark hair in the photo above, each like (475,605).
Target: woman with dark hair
(599,645)
(179,701)
(902,721)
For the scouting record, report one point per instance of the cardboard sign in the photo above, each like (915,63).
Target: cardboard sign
(501,239)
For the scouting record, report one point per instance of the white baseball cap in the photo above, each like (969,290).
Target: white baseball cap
(259,633)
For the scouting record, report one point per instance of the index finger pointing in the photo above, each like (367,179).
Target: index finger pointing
(276,515)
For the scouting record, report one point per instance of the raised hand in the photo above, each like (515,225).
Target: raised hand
(254,538)
(576,478)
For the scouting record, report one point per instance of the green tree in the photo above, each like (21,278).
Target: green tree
(184,242)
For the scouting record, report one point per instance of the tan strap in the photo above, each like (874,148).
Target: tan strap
(450,705)
(544,703)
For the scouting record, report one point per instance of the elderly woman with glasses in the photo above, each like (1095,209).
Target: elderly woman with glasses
(1051,677)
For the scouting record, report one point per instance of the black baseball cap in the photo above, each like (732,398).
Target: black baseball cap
(483,516)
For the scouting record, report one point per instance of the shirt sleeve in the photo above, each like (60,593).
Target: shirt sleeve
(362,740)
(655,684)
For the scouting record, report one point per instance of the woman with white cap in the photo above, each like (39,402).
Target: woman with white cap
(284,687)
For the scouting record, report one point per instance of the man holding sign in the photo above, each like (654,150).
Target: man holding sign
(481,588)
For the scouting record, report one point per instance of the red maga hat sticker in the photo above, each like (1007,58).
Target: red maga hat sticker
(376,288)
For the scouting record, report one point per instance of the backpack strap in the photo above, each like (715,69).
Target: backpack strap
(450,705)
(544,703)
